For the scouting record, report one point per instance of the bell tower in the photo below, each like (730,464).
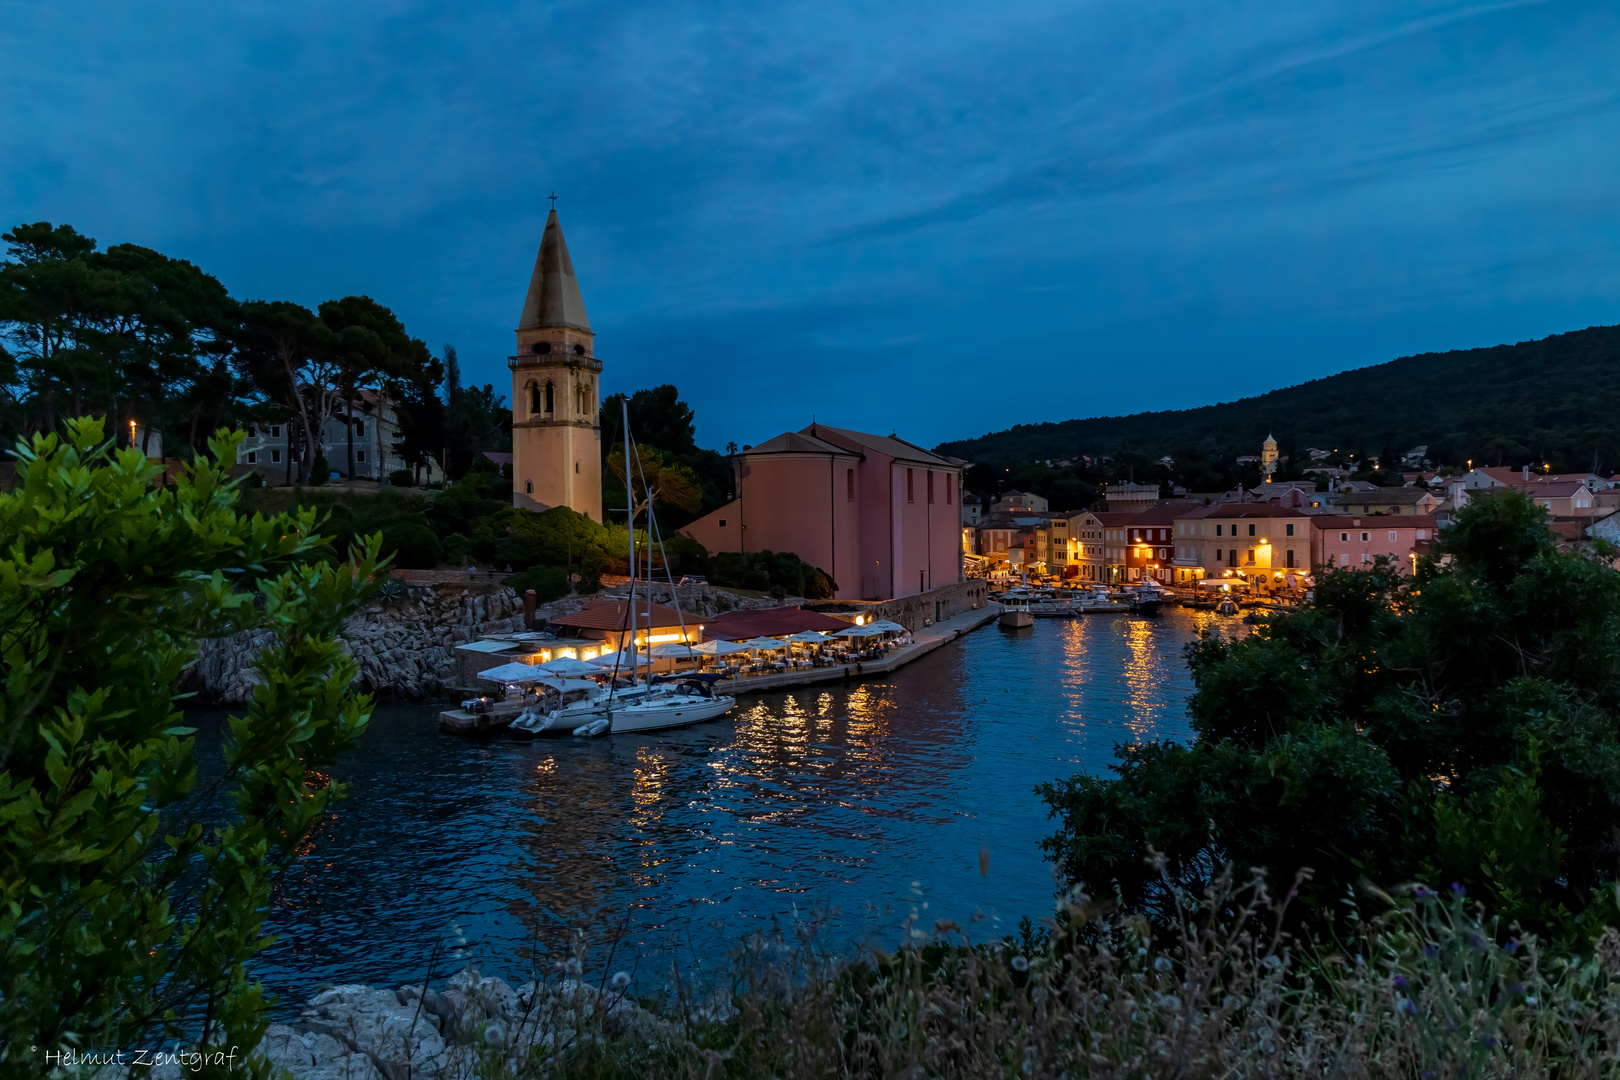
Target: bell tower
(556,432)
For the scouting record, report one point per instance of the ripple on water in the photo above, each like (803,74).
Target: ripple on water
(828,796)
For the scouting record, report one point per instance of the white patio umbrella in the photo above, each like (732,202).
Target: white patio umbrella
(858,631)
(809,637)
(720,648)
(567,665)
(623,658)
(672,651)
(516,673)
(765,643)
(887,627)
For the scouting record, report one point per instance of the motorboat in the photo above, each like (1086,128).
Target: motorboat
(1015,613)
(1145,596)
(689,700)
(1227,606)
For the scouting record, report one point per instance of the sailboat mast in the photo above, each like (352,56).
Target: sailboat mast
(630,528)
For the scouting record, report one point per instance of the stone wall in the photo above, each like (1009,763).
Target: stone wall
(925,609)
(405,645)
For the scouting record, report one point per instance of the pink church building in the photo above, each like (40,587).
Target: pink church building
(882,516)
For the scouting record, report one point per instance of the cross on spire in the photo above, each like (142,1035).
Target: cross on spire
(553,198)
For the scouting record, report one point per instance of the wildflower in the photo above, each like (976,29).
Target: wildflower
(1477,942)
(1516,988)
(620,980)
(1401,981)
(1430,951)
(1423,894)
(494,1035)
(1458,890)
(1530,999)
(1490,1042)
(1019,963)
(1161,964)
(1406,1006)
(1511,947)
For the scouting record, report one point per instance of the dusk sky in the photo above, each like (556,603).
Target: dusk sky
(940,218)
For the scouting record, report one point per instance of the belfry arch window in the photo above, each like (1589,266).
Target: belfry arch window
(579,400)
(534,398)
(551,393)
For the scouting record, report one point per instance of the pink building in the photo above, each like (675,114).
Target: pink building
(1344,541)
(880,515)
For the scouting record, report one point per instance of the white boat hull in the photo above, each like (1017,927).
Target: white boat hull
(663,715)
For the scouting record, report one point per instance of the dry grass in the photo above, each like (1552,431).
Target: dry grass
(1428,990)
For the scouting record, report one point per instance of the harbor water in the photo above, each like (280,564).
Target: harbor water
(857,806)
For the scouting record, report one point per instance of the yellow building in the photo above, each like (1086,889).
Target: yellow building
(556,435)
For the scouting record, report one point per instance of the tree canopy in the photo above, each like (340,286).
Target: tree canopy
(1457,725)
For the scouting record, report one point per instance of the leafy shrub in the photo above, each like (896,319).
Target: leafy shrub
(766,570)
(1456,725)
(320,471)
(402,478)
(414,546)
(456,546)
(118,910)
(548,582)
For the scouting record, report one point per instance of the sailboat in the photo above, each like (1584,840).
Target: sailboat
(667,703)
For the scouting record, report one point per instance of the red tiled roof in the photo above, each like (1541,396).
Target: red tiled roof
(614,615)
(1373,521)
(769,622)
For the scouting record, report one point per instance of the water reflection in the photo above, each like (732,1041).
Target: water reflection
(873,798)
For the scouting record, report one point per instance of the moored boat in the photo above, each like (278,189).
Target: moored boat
(1015,614)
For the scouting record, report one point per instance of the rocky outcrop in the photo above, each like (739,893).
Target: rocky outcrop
(471,1025)
(404,643)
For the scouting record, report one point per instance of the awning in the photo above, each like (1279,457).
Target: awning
(517,673)
(485,645)
(720,648)
(766,643)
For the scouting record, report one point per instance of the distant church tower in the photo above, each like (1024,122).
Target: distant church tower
(556,434)
(1268,458)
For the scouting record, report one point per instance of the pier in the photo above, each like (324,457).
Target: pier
(924,641)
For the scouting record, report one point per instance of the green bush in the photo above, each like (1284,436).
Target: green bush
(767,570)
(1459,725)
(320,470)
(402,478)
(414,546)
(456,547)
(548,582)
(119,910)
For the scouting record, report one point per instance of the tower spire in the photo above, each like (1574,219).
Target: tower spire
(553,298)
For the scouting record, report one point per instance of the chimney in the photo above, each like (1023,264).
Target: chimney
(1527,472)
(528,610)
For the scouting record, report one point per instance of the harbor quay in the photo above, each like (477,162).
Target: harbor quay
(764,649)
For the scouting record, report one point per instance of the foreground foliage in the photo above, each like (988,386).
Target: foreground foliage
(1462,725)
(1429,989)
(120,914)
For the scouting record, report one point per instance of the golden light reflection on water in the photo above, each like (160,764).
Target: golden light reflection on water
(843,793)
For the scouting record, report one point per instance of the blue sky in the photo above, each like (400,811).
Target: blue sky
(937,218)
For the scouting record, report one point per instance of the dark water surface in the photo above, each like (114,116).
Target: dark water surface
(876,798)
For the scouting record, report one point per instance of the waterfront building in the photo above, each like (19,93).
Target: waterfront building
(556,432)
(1345,540)
(970,510)
(1085,561)
(1245,540)
(877,513)
(608,620)
(1145,542)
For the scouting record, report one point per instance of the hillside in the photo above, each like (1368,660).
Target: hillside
(1555,400)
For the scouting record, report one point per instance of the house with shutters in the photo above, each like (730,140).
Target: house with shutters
(1247,540)
(1348,541)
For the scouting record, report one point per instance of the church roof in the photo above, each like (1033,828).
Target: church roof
(553,298)
(796,442)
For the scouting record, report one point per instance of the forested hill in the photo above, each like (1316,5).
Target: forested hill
(1554,400)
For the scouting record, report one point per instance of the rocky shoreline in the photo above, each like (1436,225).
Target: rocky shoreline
(471,1026)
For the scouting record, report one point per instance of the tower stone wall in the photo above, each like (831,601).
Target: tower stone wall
(556,429)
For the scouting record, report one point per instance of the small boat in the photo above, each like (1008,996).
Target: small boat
(691,700)
(1015,614)
(1145,596)
(1227,606)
